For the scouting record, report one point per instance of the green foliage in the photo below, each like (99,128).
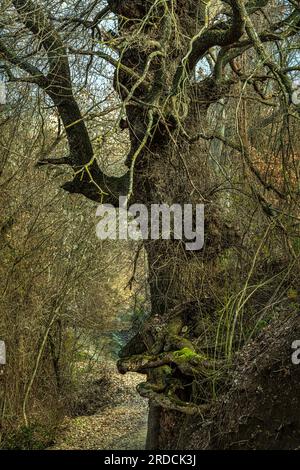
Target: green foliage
(185,354)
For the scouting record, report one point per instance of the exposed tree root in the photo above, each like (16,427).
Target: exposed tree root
(186,360)
(168,373)
(170,401)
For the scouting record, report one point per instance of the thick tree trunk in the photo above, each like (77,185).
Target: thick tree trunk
(178,279)
(168,165)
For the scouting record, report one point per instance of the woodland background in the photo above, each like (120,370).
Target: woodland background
(69,301)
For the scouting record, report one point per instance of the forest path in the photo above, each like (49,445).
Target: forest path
(120,423)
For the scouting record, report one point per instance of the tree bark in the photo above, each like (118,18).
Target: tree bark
(170,168)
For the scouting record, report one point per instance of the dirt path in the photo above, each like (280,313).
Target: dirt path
(120,423)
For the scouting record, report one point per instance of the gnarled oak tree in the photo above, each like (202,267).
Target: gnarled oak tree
(172,62)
